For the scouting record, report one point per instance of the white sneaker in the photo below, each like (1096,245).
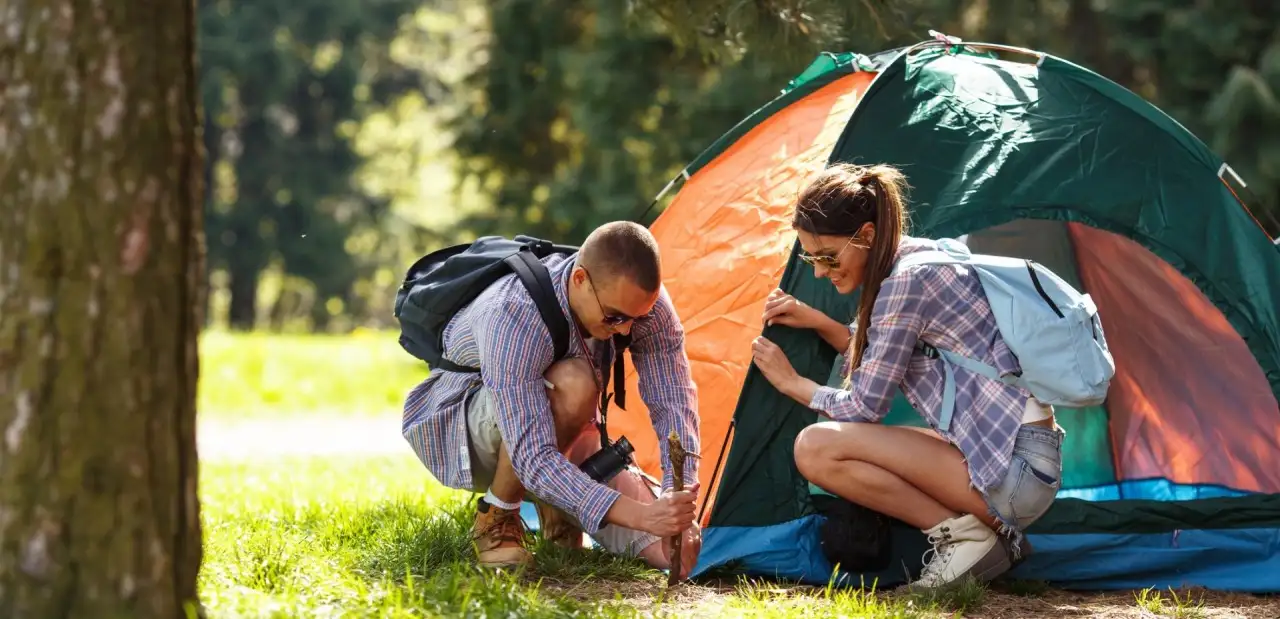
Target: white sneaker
(962,547)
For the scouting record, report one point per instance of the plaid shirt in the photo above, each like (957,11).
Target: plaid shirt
(502,333)
(944,305)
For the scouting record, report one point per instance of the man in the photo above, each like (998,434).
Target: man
(509,428)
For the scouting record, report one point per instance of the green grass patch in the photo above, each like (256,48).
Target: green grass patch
(273,375)
(377,537)
(960,597)
(768,600)
(370,537)
(1174,606)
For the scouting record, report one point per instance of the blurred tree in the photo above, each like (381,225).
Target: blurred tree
(572,112)
(582,113)
(792,31)
(286,83)
(1244,126)
(101,257)
(1213,67)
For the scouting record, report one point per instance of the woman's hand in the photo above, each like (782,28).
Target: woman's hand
(784,309)
(777,369)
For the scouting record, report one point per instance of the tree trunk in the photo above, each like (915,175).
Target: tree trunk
(101,257)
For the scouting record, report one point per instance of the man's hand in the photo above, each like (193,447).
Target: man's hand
(690,546)
(672,513)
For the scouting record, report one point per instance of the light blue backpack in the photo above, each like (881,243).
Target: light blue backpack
(1053,329)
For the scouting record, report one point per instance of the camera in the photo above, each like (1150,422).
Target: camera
(603,465)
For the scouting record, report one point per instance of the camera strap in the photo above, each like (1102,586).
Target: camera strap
(619,344)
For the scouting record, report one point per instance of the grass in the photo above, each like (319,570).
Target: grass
(307,536)
(248,375)
(358,537)
(1175,607)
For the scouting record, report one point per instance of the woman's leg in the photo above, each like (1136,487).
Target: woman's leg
(915,477)
(902,472)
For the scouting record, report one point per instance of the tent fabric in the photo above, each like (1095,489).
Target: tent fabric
(717,274)
(1173,481)
(1243,560)
(1172,332)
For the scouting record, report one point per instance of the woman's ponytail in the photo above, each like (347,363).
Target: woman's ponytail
(886,186)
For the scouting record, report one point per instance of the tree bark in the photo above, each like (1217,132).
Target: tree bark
(101,261)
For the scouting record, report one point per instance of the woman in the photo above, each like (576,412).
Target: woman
(996,468)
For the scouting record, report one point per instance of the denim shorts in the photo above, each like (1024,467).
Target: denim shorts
(1033,480)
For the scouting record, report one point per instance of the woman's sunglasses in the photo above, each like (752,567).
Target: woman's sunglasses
(831,261)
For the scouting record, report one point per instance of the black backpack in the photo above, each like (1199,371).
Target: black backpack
(443,282)
(854,537)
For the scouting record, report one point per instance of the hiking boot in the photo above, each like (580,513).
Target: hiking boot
(962,547)
(499,536)
(557,527)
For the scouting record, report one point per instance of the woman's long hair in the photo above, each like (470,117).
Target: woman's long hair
(841,200)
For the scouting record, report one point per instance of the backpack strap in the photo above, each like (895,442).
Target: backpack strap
(620,344)
(949,361)
(533,274)
(948,252)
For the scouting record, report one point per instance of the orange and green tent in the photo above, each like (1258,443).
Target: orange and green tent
(1173,481)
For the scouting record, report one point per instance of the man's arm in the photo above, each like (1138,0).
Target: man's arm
(666,384)
(896,323)
(515,350)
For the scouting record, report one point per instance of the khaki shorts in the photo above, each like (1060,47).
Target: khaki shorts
(485,439)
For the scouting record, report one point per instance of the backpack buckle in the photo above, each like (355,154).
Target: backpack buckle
(539,247)
(927,350)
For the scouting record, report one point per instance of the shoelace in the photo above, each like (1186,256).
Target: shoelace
(941,551)
(505,527)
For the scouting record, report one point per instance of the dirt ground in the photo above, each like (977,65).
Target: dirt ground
(706,601)
(1115,605)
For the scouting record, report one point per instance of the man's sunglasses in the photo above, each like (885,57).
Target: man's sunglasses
(610,319)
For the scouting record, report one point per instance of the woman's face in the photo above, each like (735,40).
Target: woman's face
(841,259)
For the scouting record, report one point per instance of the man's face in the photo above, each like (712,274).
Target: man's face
(609,305)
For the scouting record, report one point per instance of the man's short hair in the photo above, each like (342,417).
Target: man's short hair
(626,249)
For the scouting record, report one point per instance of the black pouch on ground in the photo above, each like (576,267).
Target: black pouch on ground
(853,537)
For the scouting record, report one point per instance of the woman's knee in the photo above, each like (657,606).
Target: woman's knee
(574,395)
(813,449)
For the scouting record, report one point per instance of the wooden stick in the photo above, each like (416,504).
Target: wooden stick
(677,455)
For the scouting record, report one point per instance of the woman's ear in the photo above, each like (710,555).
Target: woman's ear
(867,233)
